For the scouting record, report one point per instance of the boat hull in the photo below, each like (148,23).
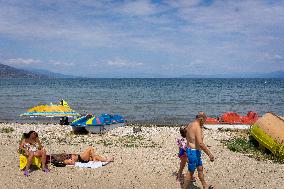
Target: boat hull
(102,128)
(227,126)
(78,129)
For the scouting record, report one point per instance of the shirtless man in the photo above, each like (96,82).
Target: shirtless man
(194,137)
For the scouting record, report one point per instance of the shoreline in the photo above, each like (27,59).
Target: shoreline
(131,124)
(146,159)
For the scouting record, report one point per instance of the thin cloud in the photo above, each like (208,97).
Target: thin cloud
(137,8)
(21,62)
(124,63)
(61,64)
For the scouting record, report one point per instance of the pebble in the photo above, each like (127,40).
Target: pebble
(147,165)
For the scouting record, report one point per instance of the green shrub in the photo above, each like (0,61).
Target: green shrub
(129,141)
(240,145)
(249,147)
(7,130)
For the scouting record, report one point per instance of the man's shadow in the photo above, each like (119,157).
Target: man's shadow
(181,181)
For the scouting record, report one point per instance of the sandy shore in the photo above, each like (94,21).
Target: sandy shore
(144,160)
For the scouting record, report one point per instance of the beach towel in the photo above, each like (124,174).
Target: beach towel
(90,164)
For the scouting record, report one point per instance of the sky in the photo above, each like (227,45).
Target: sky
(125,38)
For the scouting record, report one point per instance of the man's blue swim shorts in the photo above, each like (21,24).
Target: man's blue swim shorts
(194,159)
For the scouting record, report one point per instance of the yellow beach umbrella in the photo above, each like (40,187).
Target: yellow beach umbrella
(51,111)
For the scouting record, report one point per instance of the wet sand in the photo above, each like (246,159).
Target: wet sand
(147,159)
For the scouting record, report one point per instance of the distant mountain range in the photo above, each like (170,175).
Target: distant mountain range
(50,74)
(278,74)
(11,72)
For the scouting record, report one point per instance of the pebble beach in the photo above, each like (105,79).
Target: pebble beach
(146,159)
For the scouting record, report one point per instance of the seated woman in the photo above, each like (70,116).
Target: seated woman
(84,157)
(32,147)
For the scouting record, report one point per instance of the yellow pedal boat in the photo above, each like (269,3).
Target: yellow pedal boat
(269,132)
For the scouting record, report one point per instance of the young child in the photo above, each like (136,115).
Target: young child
(181,143)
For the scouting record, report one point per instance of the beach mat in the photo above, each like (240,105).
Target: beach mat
(90,164)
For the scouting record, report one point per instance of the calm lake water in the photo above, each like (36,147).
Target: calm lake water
(157,101)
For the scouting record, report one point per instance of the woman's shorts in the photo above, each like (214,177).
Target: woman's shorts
(181,153)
